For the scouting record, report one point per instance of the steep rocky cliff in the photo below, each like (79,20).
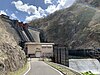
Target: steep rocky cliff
(11,56)
(93,3)
(77,26)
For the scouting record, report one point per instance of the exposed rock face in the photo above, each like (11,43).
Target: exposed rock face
(11,56)
(93,3)
(77,26)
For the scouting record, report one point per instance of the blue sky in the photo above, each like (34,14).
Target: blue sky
(27,10)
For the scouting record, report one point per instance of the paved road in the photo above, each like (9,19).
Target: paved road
(41,68)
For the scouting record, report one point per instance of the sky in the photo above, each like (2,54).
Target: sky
(27,10)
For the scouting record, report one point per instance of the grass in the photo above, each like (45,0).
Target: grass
(62,69)
(88,73)
(21,71)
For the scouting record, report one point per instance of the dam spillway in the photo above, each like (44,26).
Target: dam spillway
(85,65)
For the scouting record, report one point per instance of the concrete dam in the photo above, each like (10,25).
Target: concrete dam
(30,39)
(25,32)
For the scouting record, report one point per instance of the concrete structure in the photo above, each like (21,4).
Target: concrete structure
(39,49)
(85,65)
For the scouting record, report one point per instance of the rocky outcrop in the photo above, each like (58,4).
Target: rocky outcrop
(11,56)
(93,3)
(77,26)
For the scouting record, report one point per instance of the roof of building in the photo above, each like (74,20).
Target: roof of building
(36,43)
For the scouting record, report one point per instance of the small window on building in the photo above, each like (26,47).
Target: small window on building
(49,47)
(44,47)
(37,48)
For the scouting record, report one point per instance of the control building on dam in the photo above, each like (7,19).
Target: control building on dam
(30,39)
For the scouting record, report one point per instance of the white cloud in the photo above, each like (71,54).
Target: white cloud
(3,12)
(13,16)
(25,7)
(48,1)
(68,3)
(30,9)
(64,3)
(30,18)
(60,5)
(39,12)
(51,9)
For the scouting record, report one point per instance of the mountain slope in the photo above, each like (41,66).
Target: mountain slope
(93,3)
(11,56)
(77,26)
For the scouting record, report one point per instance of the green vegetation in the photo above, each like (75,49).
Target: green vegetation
(88,73)
(21,70)
(62,69)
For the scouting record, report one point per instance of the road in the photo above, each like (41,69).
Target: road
(41,68)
